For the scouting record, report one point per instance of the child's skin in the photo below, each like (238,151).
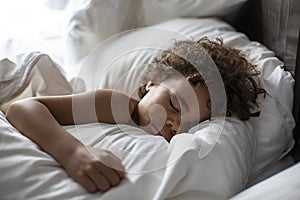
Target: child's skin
(40,119)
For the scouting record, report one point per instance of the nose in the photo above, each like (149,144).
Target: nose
(173,125)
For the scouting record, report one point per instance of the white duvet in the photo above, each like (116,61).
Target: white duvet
(34,74)
(155,169)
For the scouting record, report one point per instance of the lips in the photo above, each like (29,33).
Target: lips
(159,134)
(156,131)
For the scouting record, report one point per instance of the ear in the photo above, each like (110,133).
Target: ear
(208,104)
(149,85)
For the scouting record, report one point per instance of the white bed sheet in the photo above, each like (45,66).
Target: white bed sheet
(34,74)
(155,168)
(284,185)
(279,166)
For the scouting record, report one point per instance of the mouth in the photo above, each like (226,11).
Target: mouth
(156,131)
(159,134)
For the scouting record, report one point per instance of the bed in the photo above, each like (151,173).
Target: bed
(217,159)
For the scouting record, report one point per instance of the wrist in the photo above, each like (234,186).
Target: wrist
(63,149)
(74,155)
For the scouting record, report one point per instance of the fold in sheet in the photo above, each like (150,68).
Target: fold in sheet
(35,74)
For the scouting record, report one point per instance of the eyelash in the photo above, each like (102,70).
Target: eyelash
(172,105)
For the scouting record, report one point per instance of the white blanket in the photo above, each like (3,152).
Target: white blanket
(284,185)
(155,168)
(34,74)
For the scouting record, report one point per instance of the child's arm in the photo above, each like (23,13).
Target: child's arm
(40,119)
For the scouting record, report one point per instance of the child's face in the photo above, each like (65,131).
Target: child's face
(172,107)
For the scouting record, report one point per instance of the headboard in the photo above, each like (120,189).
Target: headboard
(296,109)
(275,23)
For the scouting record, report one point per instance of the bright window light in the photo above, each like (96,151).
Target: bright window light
(22,16)
(20,13)
(31,25)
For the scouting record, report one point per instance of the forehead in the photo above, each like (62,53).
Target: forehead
(180,86)
(184,91)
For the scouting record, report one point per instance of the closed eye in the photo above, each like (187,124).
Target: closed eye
(173,107)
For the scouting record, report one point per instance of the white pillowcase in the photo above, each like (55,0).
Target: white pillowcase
(117,63)
(156,11)
(93,21)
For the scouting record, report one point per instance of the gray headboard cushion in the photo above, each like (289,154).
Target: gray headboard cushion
(292,34)
(296,107)
(275,23)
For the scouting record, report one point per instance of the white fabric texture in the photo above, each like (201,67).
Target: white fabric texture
(284,185)
(28,173)
(118,63)
(155,168)
(222,173)
(93,21)
(156,11)
(34,74)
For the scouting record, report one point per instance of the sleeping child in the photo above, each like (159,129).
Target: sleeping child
(174,96)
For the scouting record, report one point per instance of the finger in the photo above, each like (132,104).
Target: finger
(98,179)
(85,182)
(121,174)
(110,174)
(117,166)
(114,162)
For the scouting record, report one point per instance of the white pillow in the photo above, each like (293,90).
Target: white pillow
(118,62)
(93,21)
(156,11)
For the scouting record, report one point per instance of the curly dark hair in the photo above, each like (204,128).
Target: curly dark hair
(238,75)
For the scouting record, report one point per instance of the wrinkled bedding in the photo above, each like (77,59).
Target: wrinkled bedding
(214,161)
(155,169)
(34,74)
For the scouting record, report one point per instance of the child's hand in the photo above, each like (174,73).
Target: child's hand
(86,167)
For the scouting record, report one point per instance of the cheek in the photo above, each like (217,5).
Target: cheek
(187,122)
(152,110)
(143,117)
(143,110)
